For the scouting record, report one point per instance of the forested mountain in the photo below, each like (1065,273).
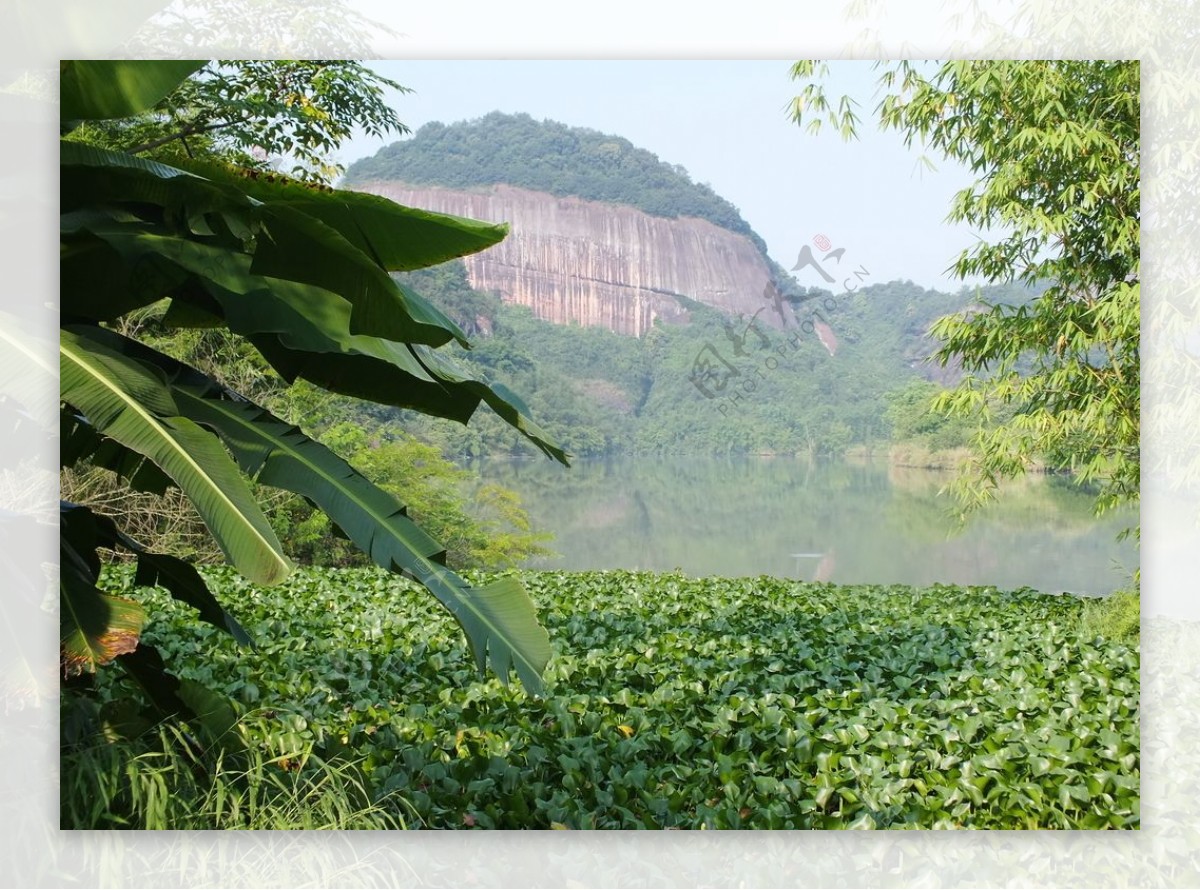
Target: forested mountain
(551,157)
(602,233)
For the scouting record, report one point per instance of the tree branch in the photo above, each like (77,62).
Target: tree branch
(190,130)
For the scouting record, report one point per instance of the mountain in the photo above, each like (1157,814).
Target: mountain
(602,233)
(573,261)
(606,241)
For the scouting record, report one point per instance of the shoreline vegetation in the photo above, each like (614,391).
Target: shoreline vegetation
(918,456)
(906,455)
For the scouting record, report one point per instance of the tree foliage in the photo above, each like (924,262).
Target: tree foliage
(301,272)
(912,419)
(1055,146)
(259,114)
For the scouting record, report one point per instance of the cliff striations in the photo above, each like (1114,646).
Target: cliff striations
(573,261)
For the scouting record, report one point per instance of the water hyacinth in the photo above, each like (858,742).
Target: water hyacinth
(677,702)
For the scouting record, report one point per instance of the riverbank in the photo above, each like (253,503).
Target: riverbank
(918,456)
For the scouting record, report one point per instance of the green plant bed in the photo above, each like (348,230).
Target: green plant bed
(675,702)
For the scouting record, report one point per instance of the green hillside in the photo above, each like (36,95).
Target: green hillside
(600,392)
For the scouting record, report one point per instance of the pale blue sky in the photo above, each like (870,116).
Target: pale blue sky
(726,122)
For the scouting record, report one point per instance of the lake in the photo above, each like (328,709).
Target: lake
(844,522)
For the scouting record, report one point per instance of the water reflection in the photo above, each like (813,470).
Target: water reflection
(849,523)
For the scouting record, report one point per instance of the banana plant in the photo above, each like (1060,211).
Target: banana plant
(301,271)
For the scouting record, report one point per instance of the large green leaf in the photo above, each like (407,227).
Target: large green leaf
(146,667)
(184,583)
(78,440)
(101,89)
(93,178)
(288,243)
(127,401)
(499,398)
(301,248)
(95,284)
(396,237)
(303,331)
(95,627)
(87,530)
(500,620)
(302,316)
(279,454)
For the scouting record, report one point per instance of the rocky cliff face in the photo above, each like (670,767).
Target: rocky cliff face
(583,262)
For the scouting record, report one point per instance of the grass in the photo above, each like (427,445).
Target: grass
(156,780)
(1116,617)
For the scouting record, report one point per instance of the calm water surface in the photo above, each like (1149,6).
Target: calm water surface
(848,523)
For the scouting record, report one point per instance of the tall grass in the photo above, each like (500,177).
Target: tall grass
(1115,617)
(157,781)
